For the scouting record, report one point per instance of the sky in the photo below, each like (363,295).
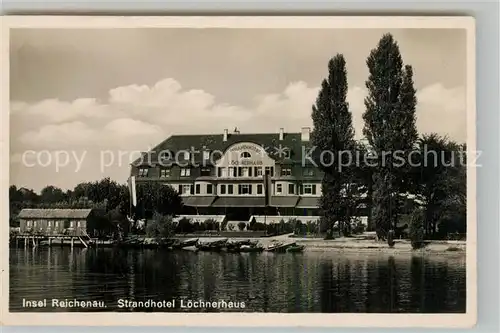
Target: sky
(84,102)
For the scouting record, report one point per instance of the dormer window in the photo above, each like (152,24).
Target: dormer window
(245,154)
(206,155)
(186,155)
(143,172)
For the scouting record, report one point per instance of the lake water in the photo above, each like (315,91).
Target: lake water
(264,282)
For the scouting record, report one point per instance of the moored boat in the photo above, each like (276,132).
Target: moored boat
(279,246)
(217,245)
(295,248)
(251,248)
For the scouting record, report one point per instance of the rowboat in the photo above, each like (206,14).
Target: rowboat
(295,248)
(186,243)
(279,246)
(212,246)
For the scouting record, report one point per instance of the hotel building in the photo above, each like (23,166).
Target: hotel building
(225,174)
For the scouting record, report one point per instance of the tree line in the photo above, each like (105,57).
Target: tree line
(434,178)
(105,194)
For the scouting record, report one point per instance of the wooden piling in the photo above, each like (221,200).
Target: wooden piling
(50,242)
(25,242)
(72,242)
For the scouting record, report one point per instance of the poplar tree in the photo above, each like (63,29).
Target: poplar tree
(390,127)
(333,133)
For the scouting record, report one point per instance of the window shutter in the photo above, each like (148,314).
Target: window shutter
(314,189)
(301,189)
(250,172)
(180,189)
(192,189)
(250,189)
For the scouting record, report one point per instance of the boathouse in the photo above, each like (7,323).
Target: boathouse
(55,222)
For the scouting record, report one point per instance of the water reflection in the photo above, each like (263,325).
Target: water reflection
(266,282)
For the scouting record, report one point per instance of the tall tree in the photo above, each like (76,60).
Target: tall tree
(389,127)
(52,194)
(157,198)
(440,181)
(333,133)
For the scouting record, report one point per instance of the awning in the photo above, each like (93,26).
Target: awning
(306,202)
(283,201)
(198,201)
(239,202)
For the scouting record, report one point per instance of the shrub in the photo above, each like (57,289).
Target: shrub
(259,226)
(184,226)
(312,227)
(251,225)
(210,224)
(160,227)
(271,229)
(242,226)
(223,225)
(358,227)
(230,227)
(390,238)
(417,229)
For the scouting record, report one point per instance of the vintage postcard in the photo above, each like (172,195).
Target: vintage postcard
(239,171)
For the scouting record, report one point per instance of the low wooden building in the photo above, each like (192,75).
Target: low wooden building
(68,222)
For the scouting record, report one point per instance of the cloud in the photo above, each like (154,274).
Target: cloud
(137,117)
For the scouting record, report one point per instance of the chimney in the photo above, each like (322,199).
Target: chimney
(282,133)
(224,138)
(304,136)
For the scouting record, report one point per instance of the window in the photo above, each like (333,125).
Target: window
(205,172)
(49,224)
(229,189)
(198,188)
(209,189)
(34,224)
(245,189)
(245,172)
(223,189)
(143,172)
(28,224)
(222,172)
(245,154)
(73,224)
(286,171)
(270,171)
(185,172)
(279,188)
(259,188)
(258,172)
(291,189)
(186,155)
(309,188)
(308,172)
(186,189)
(164,173)
(286,153)
(231,172)
(58,224)
(206,155)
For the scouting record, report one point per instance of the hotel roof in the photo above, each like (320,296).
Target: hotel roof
(215,142)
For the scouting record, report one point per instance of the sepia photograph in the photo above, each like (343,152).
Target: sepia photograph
(197,166)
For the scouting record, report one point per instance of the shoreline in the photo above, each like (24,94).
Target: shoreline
(360,244)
